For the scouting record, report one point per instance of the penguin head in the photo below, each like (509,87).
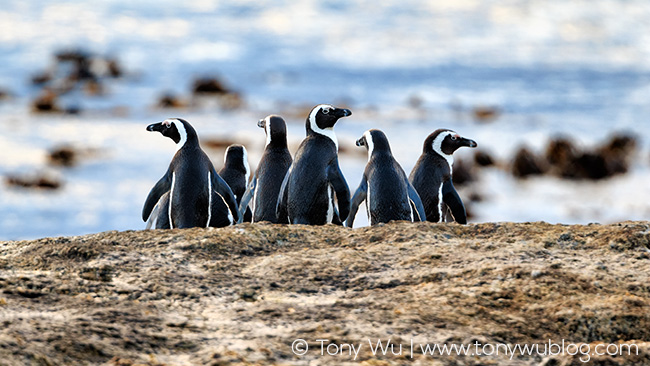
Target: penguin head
(374,140)
(177,129)
(322,119)
(236,157)
(444,142)
(275,128)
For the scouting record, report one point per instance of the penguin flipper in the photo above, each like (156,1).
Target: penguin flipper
(248,195)
(159,218)
(281,212)
(220,186)
(416,203)
(162,186)
(451,198)
(340,186)
(358,198)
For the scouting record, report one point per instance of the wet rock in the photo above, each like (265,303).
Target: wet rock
(209,86)
(217,143)
(526,163)
(41,78)
(486,113)
(46,103)
(170,100)
(63,156)
(35,181)
(483,159)
(463,172)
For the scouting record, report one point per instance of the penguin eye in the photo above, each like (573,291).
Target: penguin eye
(325,110)
(454,138)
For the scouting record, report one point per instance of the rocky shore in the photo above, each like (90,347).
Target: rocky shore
(247,294)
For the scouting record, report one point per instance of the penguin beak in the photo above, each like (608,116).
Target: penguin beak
(360,142)
(261,123)
(468,142)
(155,127)
(339,112)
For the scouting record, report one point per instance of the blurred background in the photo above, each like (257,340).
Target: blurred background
(555,92)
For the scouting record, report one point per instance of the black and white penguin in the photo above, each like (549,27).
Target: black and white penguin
(432,173)
(196,195)
(384,185)
(236,172)
(315,178)
(267,180)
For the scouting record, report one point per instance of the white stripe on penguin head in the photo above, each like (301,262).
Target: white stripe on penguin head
(225,155)
(181,131)
(246,166)
(267,129)
(370,144)
(437,147)
(327,132)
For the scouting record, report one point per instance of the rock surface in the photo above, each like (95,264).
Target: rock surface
(243,295)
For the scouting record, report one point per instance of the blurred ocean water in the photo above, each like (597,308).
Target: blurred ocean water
(579,68)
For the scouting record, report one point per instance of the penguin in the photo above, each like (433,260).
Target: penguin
(314,178)
(384,185)
(236,172)
(191,193)
(159,217)
(431,176)
(267,180)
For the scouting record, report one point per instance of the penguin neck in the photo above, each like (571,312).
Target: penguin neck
(448,158)
(186,141)
(326,132)
(276,141)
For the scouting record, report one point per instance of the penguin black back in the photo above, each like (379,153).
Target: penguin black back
(432,173)
(271,170)
(384,185)
(236,172)
(309,188)
(197,195)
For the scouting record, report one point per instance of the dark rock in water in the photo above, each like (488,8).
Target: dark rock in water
(482,158)
(561,154)
(72,55)
(618,152)
(114,68)
(46,103)
(63,156)
(590,165)
(560,151)
(36,181)
(209,86)
(169,100)
(217,143)
(485,113)
(525,164)
(609,159)
(41,78)
(475,197)
(463,173)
